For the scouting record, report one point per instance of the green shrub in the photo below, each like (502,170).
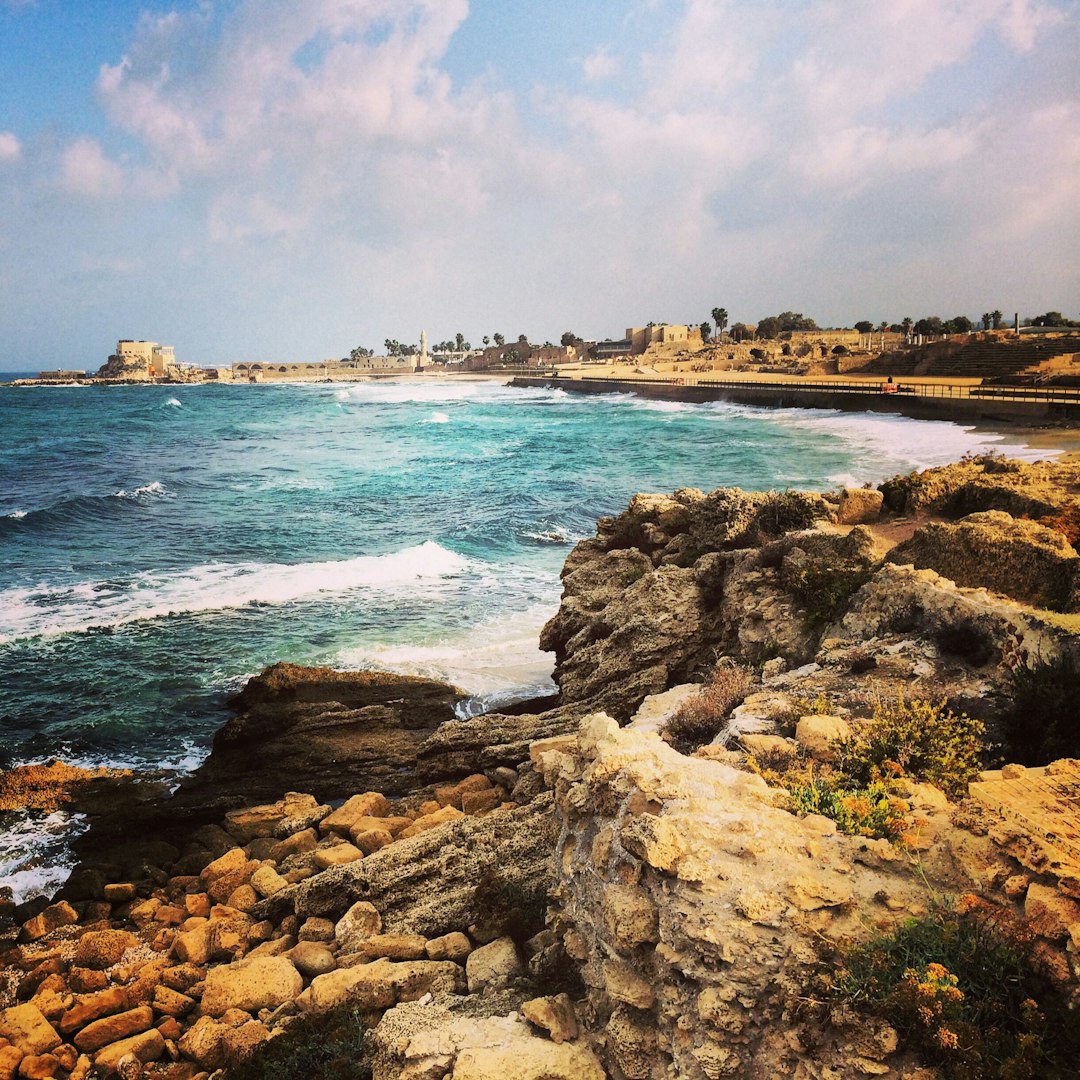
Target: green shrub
(870,811)
(330,1046)
(787,511)
(917,739)
(959,987)
(823,589)
(1042,721)
(635,573)
(700,718)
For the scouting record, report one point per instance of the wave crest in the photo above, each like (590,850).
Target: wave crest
(49,610)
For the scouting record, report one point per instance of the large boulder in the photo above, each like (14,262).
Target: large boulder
(328,733)
(260,982)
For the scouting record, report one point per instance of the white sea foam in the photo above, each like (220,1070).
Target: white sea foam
(885,442)
(174,402)
(16,514)
(35,859)
(496,661)
(155,489)
(554,534)
(437,418)
(652,405)
(76,607)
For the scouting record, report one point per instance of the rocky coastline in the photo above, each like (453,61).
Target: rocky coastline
(631,883)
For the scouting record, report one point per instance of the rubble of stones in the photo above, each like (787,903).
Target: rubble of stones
(687,907)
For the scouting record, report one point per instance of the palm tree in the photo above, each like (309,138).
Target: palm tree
(996,318)
(720,317)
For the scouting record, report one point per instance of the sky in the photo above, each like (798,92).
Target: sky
(273,180)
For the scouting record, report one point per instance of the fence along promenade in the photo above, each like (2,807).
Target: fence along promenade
(875,394)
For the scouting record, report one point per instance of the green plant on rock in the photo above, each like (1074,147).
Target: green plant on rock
(330,1045)
(823,589)
(787,511)
(871,811)
(917,739)
(1042,722)
(961,990)
(700,718)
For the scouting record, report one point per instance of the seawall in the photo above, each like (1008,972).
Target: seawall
(922,401)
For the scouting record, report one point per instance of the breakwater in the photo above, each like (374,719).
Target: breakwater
(919,400)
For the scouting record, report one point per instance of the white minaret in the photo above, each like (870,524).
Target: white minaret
(423,350)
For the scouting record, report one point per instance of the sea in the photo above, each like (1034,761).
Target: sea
(159,545)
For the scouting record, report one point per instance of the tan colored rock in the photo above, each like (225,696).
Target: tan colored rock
(771,748)
(193,946)
(528,1059)
(53,1004)
(629,915)
(296,844)
(266,881)
(103,948)
(262,982)
(454,946)
(1049,913)
(370,804)
(859,505)
(493,966)
(86,980)
(242,898)
(371,840)
(360,922)
(238,1044)
(311,958)
(202,1042)
(253,822)
(389,947)
(38,1066)
(624,984)
(147,1046)
(111,1029)
(818,735)
(317,929)
(93,1007)
(554,1014)
(171,1003)
(382,983)
(54,916)
(10,1056)
(478,802)
(430,821)
(338,855)
(539,747)
(197,905)
(119,893)
(27,1028)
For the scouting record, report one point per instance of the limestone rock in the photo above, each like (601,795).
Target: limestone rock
(454,946)
(370,804)
(493,965)
(554,1014)
(262,982)
(381,984)
(55,915)
(27,1028)
(389,947)
(359,923)
(991,550)
(859,505)
(111,1029)
(427,884)
(311,958)
(147,1046)
(819,735)
(265,820)
(93,1007)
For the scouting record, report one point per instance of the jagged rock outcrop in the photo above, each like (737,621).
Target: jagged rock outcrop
(326,732)
(993,550)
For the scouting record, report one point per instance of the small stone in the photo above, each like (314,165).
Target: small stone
(554,1014)
(93,1007)
(171,1003)
(371,840)
(493,965)
(146,1046)
(111,1029)
(197,905)
(361,921)
(370,804)
(262,982)
(53,917)
(476,802)
(338,855)
(430,821)
(390,947)
(454,946)
(119,892)
(316,929)
(38,1066)
(103,948)
(1012,772)
(266,881)
(312,958)
(10,1056)
(818,735)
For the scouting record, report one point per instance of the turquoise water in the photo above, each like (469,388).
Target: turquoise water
(162,544)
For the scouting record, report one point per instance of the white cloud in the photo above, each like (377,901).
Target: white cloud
(600,65)
(10,147)
(85,170)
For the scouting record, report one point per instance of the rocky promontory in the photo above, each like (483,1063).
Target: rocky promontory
(798,735)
